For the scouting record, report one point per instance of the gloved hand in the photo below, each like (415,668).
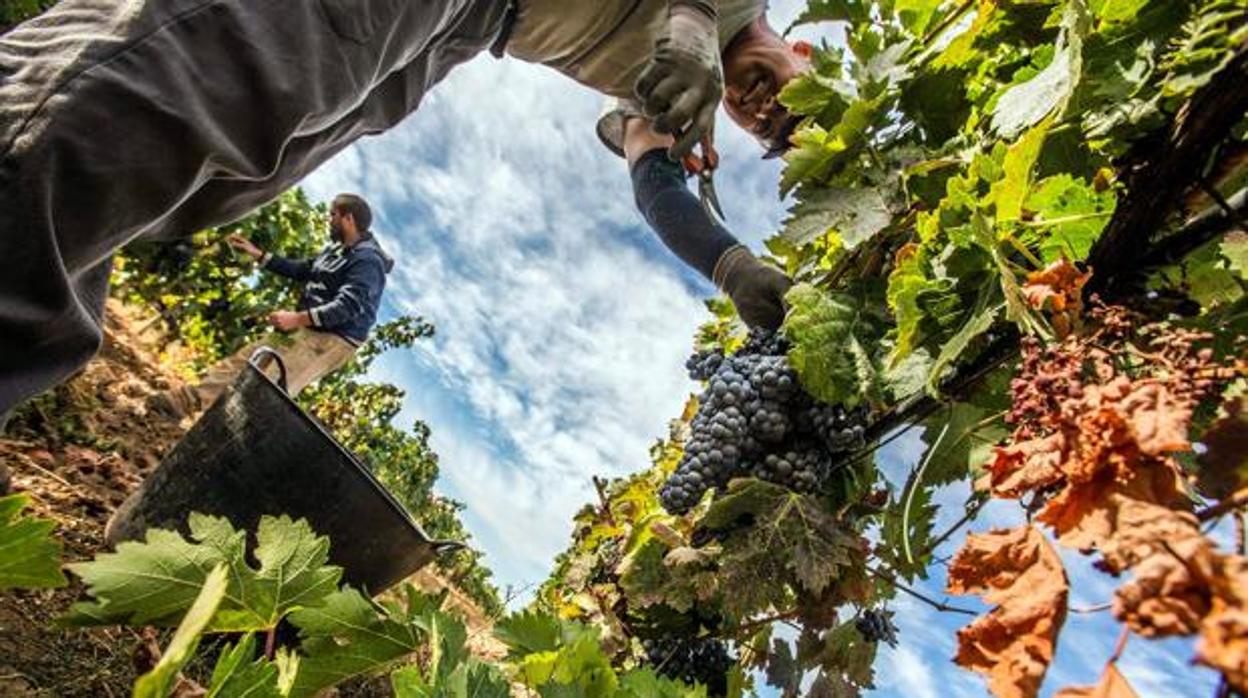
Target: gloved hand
(683,83)
(756,289)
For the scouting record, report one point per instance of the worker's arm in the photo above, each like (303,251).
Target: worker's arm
(691,234)
(297,269)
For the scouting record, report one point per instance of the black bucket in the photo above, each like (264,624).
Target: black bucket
(253,453)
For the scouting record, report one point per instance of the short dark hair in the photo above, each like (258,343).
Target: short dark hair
(356,207)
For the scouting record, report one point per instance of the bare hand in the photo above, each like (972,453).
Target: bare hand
(287,320)
(244,245)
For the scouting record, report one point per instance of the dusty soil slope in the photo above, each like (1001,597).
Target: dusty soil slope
(79,452)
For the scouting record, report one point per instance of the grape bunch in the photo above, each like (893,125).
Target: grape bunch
(754,419)
(876,626)
(692,660)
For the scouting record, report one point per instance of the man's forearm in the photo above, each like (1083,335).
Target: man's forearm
(296,269)
(675,213)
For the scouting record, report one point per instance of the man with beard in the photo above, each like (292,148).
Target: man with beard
(158,118)
(338,306)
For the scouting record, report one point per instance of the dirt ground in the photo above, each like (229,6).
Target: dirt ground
(79,451)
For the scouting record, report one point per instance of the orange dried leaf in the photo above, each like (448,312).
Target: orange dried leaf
(1025,466)
(1111,685)
(1012,644)
(1224,632)
(1158,418)
(1170,593)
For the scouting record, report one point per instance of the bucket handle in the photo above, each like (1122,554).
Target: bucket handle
(262,353)
(441,547)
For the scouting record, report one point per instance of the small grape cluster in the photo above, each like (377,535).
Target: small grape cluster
(692,660)
(876,626)
(754,419)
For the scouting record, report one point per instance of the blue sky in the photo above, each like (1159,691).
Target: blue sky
(563,326)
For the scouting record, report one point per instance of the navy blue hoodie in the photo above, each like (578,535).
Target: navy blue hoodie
(343,286)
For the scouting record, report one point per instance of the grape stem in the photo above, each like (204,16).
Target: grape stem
(938,605)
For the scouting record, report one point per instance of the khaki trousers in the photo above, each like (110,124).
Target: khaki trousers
(308,355)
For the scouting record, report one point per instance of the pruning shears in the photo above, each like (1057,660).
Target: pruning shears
(703,167)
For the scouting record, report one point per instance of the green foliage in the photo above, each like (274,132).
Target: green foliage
(238,673)
(833,342)
(13,12)
(29,557)
(155,581)
(158,682)
(349,635)
(211,298)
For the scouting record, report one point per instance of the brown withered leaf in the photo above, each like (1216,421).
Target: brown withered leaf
(1058,289)
(1170,593)
(1088,515)
(1224,632)
(1112,684)
(1224,465)
(1027,465)
(1159,418)
(1018,570)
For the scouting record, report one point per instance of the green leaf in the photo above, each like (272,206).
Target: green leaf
(1008,192)
(347,635)
(830,346)
(154,581)
(834,11)
(817,153)
(1235,249)
(775,535)
(158,682)
(856,214)
(907,530)
(1069,215)
(237,674)
(529,632)
(1026,104)
(1116,10)
(644,683)
(846,656)
(30,558)
(973,429)
(816,95)
(988,305)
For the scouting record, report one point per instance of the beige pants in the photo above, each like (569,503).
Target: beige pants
(308,355)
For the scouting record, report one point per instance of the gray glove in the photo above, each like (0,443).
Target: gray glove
(756,289)
(683,83)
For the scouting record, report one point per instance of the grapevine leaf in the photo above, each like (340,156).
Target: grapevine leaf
(1115,10)
(30,557)
(974,427)
(817,96)
(1235,249)
(818,153)
(1025,104)
(907,525)
(856,214)
(644,683)
(1070,214)
(158,682)
(1019,571)
(987,307)
(833,11)
(237,674)
(775,534)
(829,350)
(783,670)
(1112,684)
(154,581)
(529,632)
(450,672)
(348,635)
(1224,464)
(845,655)
(1008,192)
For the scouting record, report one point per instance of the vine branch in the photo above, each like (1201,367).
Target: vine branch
(938,605)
